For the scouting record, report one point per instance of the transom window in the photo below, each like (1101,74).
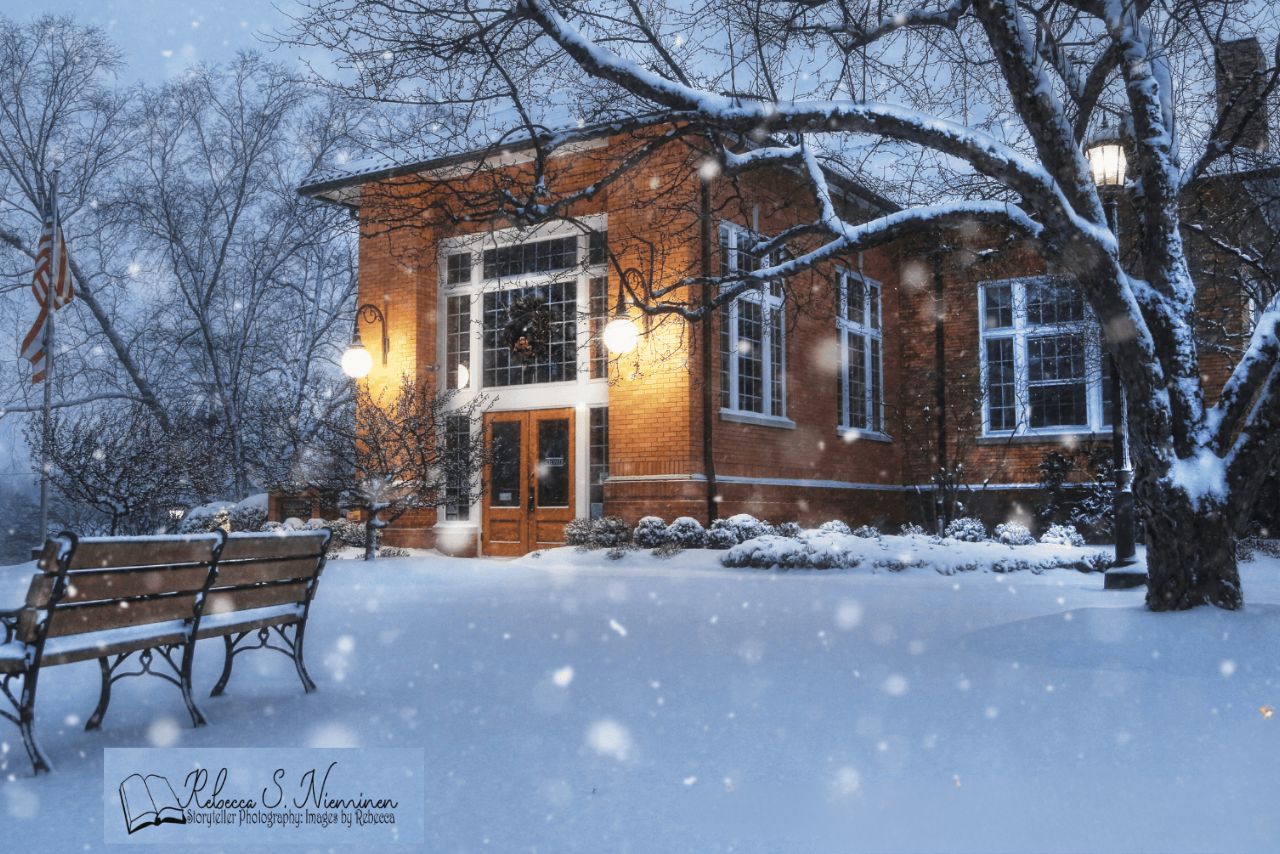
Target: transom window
(1043,369)
(861,340)
(752,336)
(522,313)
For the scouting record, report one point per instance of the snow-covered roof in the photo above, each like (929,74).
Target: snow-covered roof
(340,183)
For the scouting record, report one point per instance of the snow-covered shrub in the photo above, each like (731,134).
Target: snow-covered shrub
(668,549)
(911,529)
(609,532)
(744,526)
(293,523)
(207,517)
(577,532)
(650,532)
(392,551)
(897,564)
(1014,534)
(348,533)
(835,526)
(270,527)
(250,514)
(720,537)
(315,524)
(1096,562)
(603,533)
(791,530)
(867,532)
(1006,565)
(967,529)
(771,551)
(1062,535)
(686,533)
(617,553)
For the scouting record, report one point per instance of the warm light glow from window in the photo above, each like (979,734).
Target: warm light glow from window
(621,335)
(356,362)
(1108,163)
(464,376)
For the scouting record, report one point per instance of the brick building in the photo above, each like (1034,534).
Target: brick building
(839,393)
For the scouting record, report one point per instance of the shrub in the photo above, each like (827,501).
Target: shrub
(250,514)
(911,529)
(686,533)
(835,526)
(650,533)
(270,527)
(720,537)
(1014,534)
(897,564)
(967,529)
(392,551)
(207,517)
(578,532)
(293,523)
(1005,565)
(609,532)
(745,526)
(668,549)
(867,532)
(771,551)
(1096,562)
(315,524)
(790,530)
(348,533)
(1062,535)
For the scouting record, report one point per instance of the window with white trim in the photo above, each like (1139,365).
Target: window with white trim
(752,336)
(1043,368)
(861,341)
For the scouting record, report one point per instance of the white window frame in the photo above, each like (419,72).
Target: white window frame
(734,237)
(582,393)
(1019,333)
(869,333)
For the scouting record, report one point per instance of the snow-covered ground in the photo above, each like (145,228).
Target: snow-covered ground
(567,702)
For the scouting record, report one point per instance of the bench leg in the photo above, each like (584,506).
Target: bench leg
(184,682)
(104,698)
(307,685)
(27,724)
(226,667)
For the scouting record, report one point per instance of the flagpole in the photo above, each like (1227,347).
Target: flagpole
(48,373)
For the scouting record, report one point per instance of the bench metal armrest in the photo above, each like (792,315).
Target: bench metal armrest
(9,620)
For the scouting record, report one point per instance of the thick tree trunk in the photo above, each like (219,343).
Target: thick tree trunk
(371,529)
(1191,557)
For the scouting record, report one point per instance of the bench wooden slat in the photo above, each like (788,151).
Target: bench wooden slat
(110,615)
(224,600)
(93,585)
(157,551)
(265,546)
(249,572)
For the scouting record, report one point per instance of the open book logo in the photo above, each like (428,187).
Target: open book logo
(148,801)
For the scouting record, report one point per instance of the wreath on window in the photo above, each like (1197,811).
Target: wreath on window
(528,329)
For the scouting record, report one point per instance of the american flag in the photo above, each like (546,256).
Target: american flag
(51,283)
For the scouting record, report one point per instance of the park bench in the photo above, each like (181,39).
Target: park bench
(264,585)
(112,599)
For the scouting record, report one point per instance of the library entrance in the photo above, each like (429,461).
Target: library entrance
(529,483)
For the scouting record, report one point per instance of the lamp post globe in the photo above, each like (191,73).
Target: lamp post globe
(621,335)
(356,361)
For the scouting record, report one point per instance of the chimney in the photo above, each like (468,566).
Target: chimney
(1241,80)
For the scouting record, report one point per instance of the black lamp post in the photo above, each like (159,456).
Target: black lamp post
(1107,162)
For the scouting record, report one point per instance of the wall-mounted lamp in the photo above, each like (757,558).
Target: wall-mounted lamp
(356,361)
(620,334)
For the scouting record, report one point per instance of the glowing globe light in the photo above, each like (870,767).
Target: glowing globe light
(621,335)
(356,361)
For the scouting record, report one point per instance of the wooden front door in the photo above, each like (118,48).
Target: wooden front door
(529,483)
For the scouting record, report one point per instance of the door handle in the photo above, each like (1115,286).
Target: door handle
(533,485)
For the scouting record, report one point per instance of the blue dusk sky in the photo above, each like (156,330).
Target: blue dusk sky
(161,38)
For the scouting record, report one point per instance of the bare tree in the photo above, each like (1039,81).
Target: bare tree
(988,103)
(408,448)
